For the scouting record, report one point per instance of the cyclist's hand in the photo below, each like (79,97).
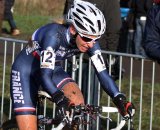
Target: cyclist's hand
(126,109)
(60,99)
(63,115)
(63,105)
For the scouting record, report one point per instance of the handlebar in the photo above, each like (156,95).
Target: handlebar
(119,127)
(87,109)
(95,111)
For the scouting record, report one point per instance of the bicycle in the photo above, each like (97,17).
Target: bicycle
(76,117)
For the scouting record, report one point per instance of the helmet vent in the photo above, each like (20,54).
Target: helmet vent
(99,25)
(81,6)
(80,25)
(88,20)
(92,10)
(80,11)
(75,15)
(93,30)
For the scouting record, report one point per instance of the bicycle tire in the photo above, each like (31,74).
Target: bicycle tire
(10,125)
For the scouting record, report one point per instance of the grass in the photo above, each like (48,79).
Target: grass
(27,25)
(30,15)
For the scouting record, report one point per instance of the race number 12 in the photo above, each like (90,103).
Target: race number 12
(47,59)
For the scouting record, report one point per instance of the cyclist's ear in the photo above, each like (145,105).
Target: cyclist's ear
(72,29)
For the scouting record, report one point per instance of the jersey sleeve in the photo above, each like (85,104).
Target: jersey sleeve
(50,44)
(105,79)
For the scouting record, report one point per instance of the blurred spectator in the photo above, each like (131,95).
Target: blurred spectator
(1,14)
(140,8)
(152,32)
(127,30)
(8,16)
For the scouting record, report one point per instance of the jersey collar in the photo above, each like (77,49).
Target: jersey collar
(68,36)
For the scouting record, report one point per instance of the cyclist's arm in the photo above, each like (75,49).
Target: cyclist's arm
(47,63)
(151,42)
(105,79)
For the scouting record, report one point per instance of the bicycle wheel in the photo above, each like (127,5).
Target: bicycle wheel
(10,125)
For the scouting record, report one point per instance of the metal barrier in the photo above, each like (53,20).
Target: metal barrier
(139,82)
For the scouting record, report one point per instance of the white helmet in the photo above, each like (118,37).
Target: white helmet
(86,18)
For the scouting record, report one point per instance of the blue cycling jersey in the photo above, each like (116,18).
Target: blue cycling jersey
(37,64)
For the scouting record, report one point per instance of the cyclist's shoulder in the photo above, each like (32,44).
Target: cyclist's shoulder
(49,32)
(52,28)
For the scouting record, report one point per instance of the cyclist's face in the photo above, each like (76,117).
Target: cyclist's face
(82,45)
(83,41)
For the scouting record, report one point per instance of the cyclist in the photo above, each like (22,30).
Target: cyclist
(39,64)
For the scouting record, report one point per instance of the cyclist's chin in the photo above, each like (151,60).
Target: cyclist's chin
(83,49)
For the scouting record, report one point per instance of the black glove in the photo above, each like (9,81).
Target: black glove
(126,109)
(63,105)
(60,100)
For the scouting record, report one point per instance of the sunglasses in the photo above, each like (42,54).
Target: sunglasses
(88,39)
